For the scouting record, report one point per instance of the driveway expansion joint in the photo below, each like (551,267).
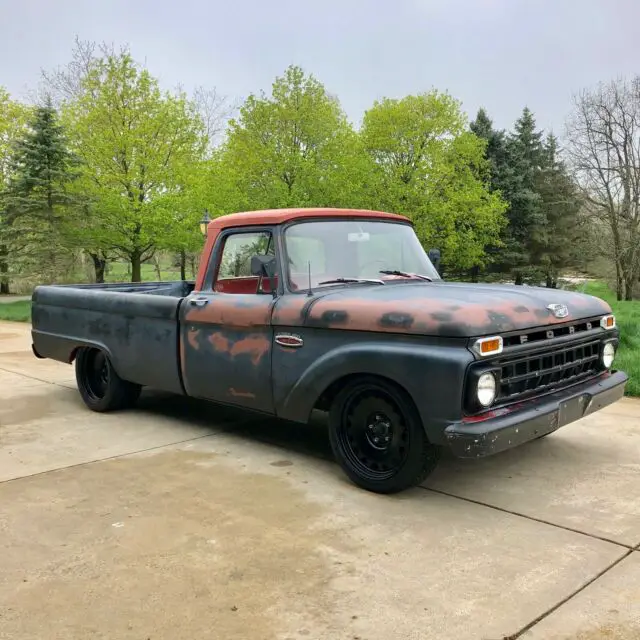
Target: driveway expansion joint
(572,595)
(114,457)
(629,547)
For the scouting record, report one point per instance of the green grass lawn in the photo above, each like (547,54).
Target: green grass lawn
(17,311)
(628,319)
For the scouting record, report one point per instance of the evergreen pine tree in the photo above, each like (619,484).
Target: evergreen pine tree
(558,245)
(526,216)
(37,198)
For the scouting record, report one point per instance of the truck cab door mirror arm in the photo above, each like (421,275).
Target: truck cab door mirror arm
(264,267)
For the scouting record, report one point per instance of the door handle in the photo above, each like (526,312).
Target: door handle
(199,302)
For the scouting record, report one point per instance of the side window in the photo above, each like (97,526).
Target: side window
(234,272)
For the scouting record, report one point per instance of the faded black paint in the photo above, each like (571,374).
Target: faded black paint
(227,349)
(414,333)
(509,427)
(139,331)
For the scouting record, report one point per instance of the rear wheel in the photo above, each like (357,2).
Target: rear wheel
(377,437)
(100,386)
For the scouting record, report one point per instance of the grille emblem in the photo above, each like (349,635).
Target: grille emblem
(558,310)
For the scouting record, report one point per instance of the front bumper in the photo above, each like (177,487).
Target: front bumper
(508,427)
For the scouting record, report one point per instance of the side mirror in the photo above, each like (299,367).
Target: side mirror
(434,256)
(263,266)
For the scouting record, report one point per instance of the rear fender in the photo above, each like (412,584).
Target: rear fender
(63,348)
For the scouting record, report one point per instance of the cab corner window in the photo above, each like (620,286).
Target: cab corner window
(234,270)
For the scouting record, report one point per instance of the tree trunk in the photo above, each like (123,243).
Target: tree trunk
(156,264)
(193,265)
(519,279)
(183,265)
(475,271)
(99,265)
(619,283)
(4,270)
(136,264)
(628,287)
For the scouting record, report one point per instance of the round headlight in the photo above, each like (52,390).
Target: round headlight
(486,391)
(608,354)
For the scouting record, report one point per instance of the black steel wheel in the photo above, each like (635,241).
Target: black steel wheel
(99,385)
(377,437)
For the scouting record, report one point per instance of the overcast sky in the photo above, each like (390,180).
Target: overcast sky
(501,54)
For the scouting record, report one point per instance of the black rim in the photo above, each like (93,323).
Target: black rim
(96,375)
(373,434)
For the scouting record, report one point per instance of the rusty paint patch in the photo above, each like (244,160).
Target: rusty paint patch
(241,394)
(219,342)
(234,310)
(289,310)
(192,337)
(255,345)
(416,312)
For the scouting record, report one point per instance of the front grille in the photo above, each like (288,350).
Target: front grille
(532,374)
(552,331)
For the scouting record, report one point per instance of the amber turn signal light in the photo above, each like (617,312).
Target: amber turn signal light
(488,346)
(608,322)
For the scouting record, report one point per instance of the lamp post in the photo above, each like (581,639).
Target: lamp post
(204,223)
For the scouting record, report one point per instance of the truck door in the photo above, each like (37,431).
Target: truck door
(226,336)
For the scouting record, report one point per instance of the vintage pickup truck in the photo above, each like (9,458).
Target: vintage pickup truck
(342,310)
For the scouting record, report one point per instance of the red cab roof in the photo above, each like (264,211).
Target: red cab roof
(278,216)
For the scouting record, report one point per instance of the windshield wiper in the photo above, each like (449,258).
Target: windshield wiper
(406,275)
(346,280)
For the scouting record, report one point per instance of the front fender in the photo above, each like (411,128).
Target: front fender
(432,375)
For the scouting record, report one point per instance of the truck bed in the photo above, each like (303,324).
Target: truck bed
(136,324)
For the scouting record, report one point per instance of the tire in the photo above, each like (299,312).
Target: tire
(101,388)
(377,437)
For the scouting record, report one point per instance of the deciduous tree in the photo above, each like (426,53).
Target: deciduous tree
(604,150)
(135,142)
(292,148)
(428,165)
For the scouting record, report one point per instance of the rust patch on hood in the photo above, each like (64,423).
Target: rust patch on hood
(439,309)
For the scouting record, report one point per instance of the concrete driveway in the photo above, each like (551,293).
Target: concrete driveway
(183,520)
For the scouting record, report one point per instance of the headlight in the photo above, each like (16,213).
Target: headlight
(608,354)
(486,390)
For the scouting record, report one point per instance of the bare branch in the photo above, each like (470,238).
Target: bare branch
(215,111)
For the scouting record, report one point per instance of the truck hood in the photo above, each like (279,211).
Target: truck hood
(439,308)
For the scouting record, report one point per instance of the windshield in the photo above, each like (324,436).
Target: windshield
(357,249)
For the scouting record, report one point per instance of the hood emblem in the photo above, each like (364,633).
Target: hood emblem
(558,310)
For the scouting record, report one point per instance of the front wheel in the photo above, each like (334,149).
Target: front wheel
(378,439)
(101,388)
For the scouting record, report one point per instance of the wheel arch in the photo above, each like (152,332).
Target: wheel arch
(319,384)
(430,375)
(327,396)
